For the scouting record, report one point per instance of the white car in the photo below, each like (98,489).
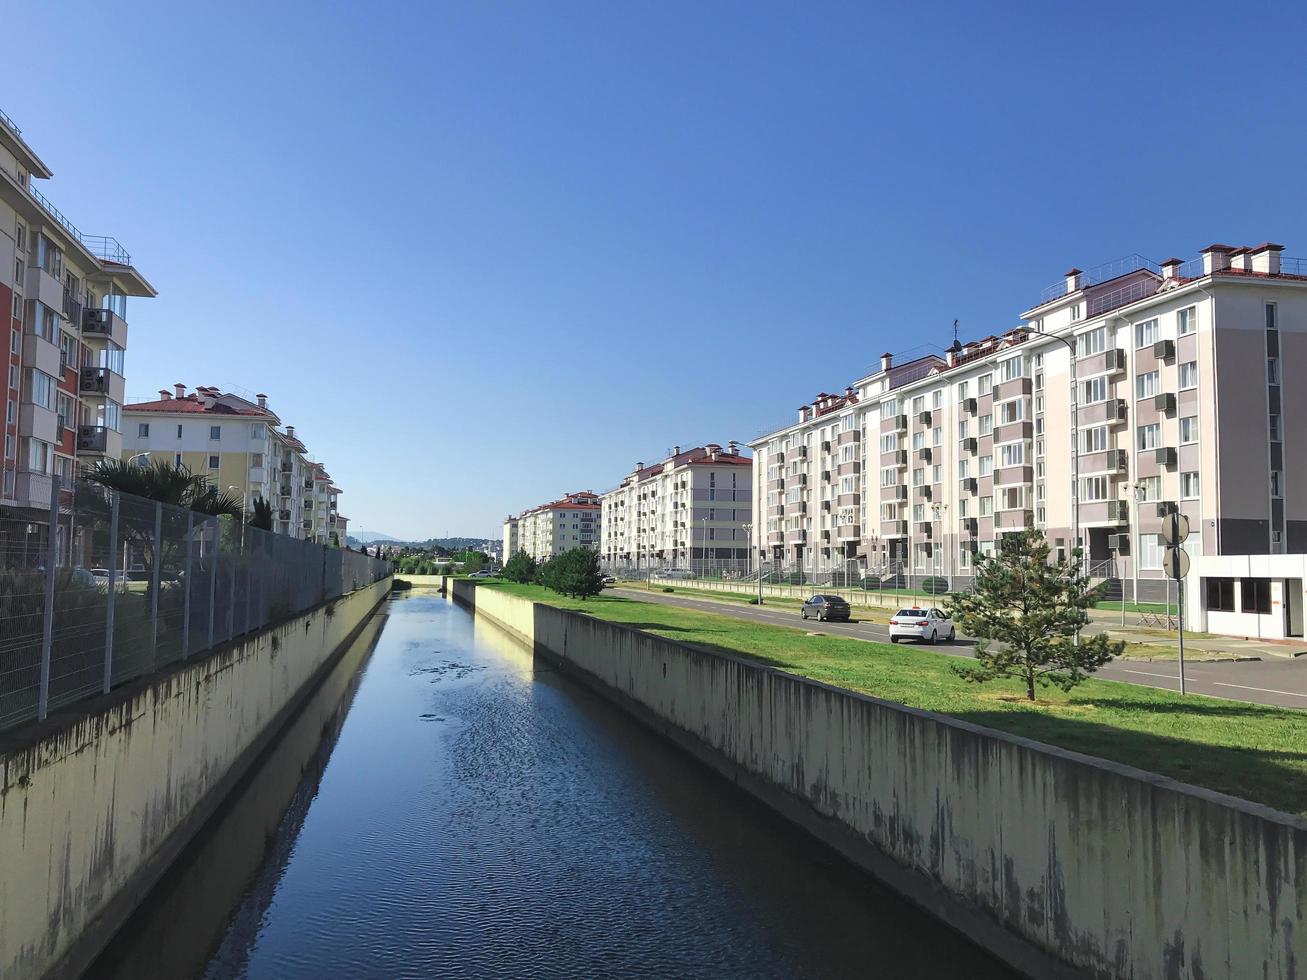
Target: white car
(924,625)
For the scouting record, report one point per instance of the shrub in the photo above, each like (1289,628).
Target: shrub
(935,585)
(668,588)
(521,568)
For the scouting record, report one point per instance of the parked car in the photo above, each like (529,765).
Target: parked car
(676,573)
(101,576)
(609,580)
(825,607)
(482,574)
(923,625)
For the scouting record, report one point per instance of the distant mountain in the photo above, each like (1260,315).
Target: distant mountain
(371,537)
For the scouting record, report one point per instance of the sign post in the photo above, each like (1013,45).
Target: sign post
(1175,528)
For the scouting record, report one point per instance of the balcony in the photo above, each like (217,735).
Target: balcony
(1164,508)
(796,536)
(924,491)
(1013,475)
(1164,403)
(850,468)
(1103,513)
(1014,431)
(283,516)
(849,532)
(1012,388)
(1014,520)
(40,354)
(1110,361)
(283,491)
(43,286)
(896,457)
(894,529)
(897,491)
(1112,411)
(92,439)
(924,455)
(925,529)
(970,525)
(101,382)
(102,326)
(848,500)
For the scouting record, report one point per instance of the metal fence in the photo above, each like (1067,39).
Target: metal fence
(125,586)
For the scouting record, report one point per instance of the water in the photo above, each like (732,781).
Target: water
(446,807)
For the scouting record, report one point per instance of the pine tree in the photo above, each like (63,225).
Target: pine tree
(1030,609)
(520,568)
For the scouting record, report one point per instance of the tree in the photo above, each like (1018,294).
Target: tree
(520,568)
(1032,609)
(261,515)
(169,483)
(574,573)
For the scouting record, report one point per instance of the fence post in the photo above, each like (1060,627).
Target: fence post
(154,580)
(213,585)
(249,578)
(186,602)
(113,589)
(47,620)
(231,601)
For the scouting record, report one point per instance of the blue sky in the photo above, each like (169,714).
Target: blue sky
(482,254)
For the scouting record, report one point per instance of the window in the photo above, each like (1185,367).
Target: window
(1146,385)
(179,430)
(918,512)
(962,506)
(963,388)
(1273,370)
(213,462)
(986,465)
(215,432)
(918,440)
(1189,485)
(143,430)
(1186,321)
(1220,594)
(176,459)
(986,424)
(1146,333)
(37,455)
(1273,422)
(984,384)
(45,322)
(918,477)
(257,431)
(1094,488)
(918,404)
(889,442)
(40,389)
(11,414)
(1189,428)
(964,467)
(1150,551)
(986,506)
(1012,369)
(1094,440)
(889,407)
(1094,390)
(936,473)
(1150,436)
(889,477)
(962,429)
(1272,319)
(1075,312)
(937,436)
(1013,454)
(937,398)
(1152,487)
(1188,375)
(1277,484)
(14,341)
(1093,342)
(889,512)
(1013,411)
(1255,595)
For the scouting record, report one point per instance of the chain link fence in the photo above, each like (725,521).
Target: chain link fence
(126,586)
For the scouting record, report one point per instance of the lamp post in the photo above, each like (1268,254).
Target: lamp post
(131,459)
(939,507)
(1137,491)
(748,529)
(703,547)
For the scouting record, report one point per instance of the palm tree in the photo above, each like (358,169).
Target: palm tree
(168,483)
(261,514)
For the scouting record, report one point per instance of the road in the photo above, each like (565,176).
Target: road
(1275,682)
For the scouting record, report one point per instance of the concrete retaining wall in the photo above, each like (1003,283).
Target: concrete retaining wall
(1060,863)
(96,802)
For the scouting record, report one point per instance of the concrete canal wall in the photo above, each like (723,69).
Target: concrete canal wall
(1062,864)
(96,802)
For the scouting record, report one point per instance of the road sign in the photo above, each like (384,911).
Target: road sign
(1175,562)
(1175,528)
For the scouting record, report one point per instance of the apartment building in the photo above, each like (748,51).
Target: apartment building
(692,507)
(64,297)
(238,445)
(544,531)
(1129,391)
(511,546)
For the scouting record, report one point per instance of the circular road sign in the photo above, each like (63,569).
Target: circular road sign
(1175,528)
(1176,562)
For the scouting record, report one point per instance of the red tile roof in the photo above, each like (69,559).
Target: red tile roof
(190,405)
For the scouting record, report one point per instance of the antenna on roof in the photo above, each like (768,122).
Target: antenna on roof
(956,346)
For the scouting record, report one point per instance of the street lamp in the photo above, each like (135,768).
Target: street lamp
(136,456)
(1137,491)
(748,529)
(703,548)
(938,507)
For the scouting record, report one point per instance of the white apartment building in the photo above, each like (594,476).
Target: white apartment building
(694,506)
(1185,373)
(237,444)
(552,528)
(63,305)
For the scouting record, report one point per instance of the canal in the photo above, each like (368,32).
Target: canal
(445,806)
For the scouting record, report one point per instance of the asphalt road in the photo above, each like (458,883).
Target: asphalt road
(1277,682)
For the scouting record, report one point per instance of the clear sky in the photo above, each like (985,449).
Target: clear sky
(482,254)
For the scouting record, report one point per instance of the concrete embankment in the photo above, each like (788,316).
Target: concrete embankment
(97,801)
(1062,864)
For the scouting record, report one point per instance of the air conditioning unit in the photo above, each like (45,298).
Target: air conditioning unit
(96,321)
(969,445)
(924,529)
(1116,459)
(924,418)
(900,492)
(967,484)
(825,445)
(968,405)
(970,525)
(924,491)
(1165,508)
(1165,402)
(1166,455)
(1115,360)
(1120,543)
(1164,350)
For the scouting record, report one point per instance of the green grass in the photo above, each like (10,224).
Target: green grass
(1251,751)
(1138,607)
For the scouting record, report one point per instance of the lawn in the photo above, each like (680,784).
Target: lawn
(1250,751)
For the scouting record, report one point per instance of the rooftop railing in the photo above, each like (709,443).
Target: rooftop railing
(101,246)
(1100,274)
(9,123)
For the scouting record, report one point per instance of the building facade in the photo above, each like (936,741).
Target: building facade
(552,528)
(63,297)
(238,445)
(693,507)
(1128,392)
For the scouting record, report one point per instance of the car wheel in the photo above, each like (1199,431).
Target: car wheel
(952,634)
(821,617)
(934,636)
(894,639)
(803,613)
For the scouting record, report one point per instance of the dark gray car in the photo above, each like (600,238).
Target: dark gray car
(824,607)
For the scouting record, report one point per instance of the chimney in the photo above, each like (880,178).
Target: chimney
(1240,260)
(676,450)
(290,432)
(1215,258)
(886,361)
(164,394)
(207,396)
(1171,268)
(803,413)
(263,400)
(716,451)
(639,467)
(848,391)
(180,389)
(734,447)
(952,358)
(1266,258)
(1072,280)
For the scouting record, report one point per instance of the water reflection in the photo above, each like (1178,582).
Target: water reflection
(482,816)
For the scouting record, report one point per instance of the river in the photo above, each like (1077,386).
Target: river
(445,806)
